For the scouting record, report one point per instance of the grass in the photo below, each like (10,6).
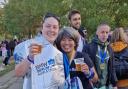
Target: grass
(8,68)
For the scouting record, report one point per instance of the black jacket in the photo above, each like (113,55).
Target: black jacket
(122,69)
(92,49)
(85,81)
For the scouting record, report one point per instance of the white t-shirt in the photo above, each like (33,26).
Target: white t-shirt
(80,44)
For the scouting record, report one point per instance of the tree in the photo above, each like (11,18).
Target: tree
(23,17)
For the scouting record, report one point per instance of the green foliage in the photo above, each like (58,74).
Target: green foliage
(23,17)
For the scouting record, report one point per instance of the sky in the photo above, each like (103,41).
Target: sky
(1,1)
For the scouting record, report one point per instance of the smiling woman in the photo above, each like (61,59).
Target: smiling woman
(41,68)
(82,72)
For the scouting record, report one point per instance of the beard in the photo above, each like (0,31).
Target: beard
(77,28)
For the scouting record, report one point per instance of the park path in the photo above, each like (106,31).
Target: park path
(9,81)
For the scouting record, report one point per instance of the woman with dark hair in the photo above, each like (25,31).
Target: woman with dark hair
(77,65)
(42,69)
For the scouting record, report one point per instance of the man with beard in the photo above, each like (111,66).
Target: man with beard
(75,22)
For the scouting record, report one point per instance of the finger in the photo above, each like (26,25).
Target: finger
(84,66)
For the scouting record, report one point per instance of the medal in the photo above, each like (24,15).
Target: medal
(102,66)
(102,56)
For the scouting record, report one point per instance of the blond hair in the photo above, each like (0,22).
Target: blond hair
(119,35)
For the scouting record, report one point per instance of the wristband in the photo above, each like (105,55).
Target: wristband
(30,59)
(90,75)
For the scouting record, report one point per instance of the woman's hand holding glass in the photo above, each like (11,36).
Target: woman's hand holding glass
(85,68)
(81,65)
(34,49)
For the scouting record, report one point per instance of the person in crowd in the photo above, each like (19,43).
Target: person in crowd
(37,61)
(75,22)
(109,36)
(101,55)
(67,42)
(0,49)
(4,54)
(126,31)
(8,50)
(119,45)
(12,45)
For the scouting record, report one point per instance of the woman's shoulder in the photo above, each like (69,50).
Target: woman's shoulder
(81,54)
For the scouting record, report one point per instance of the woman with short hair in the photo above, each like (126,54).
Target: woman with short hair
(67,42)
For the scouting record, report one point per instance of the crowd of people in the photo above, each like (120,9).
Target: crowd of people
(6,51)
(64,59)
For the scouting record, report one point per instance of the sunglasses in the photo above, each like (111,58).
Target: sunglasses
(84,31)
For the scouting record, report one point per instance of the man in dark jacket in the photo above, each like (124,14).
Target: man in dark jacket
(102,56)
(75,22)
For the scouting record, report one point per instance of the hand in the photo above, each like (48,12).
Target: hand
(34,49)
(85,68)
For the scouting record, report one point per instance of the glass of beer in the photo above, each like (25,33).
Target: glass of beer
(36,47)
(78,63)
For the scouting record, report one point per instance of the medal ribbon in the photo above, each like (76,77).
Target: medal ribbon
(102,54)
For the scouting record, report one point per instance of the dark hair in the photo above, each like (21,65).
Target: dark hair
(72,12)
(68,32)
(47,15)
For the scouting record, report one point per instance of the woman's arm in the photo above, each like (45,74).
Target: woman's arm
(21,60)
(95,78)
(92,72)
(22,68)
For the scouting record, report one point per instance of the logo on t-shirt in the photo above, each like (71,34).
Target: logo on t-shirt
(45,66)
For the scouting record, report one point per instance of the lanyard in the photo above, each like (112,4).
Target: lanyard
(102,54)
